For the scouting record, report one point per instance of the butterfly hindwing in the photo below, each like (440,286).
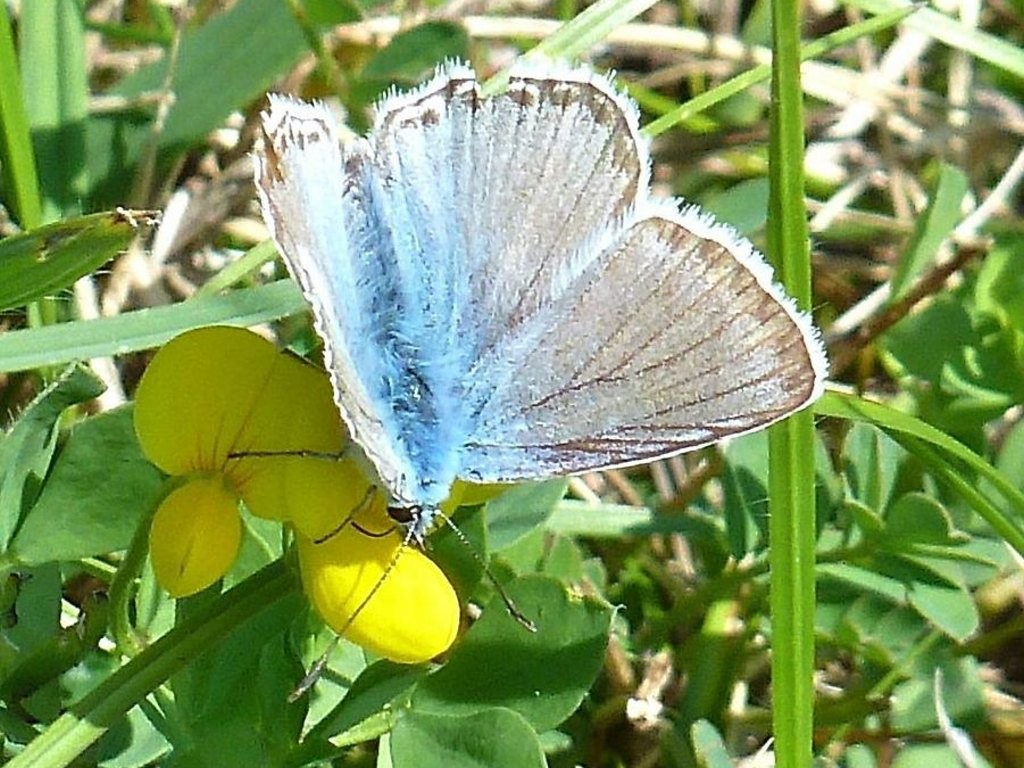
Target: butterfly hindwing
(674,338)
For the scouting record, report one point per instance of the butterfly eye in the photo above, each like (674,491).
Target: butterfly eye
(404,515)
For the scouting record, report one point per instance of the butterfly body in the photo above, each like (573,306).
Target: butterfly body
(501,299)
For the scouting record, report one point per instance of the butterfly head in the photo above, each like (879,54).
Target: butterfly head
(416,519)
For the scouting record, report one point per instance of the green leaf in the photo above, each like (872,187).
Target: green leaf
(132,742)
(259,728)
(714,659)
(221,66)
(997,51)
(262,543)
(418,49)
(564,561)
(373,691)
(709,747)
(582,518)
(745,487)
(866,518)
(744,483)
(984,379)
(527,555)
(493,738)
(865,580)
(246,604)
(928,756)
(999,289)
(17,160)
(100,488)
(460,557)
(247,47)
(1011,455)
(997,500)
(861,756)
(933,587)
(521,509)
(327,13)
(145,328)
(543,676)
(919,519)
(969,379)
(743,205)
(36,610)
(884,632)
(950,609)
(913,707)
(42,666)
(56,88)
(26,449)
(933,226)
(871,462)
(945,318)
(909,568)
(44,260)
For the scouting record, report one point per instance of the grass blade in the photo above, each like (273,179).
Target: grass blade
(17,162)
(792,529)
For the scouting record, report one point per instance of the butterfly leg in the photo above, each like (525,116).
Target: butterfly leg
(341,455)
(362,506)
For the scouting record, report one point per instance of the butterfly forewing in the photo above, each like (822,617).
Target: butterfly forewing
(312,197)
(517,183)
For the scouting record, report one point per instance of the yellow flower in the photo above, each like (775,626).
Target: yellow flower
(412,614)
(195,535)
(214,393)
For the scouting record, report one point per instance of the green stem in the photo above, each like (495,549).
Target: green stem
(329,69)
(745,80)
(791,443)
(122,587)
(73,732)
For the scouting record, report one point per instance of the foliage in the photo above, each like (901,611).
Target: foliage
(918,478)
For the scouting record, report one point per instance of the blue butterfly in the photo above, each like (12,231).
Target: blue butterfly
(500,297)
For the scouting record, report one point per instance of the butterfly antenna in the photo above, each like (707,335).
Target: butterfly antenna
(510,604)
(314,673)
(299,452)
(318,668)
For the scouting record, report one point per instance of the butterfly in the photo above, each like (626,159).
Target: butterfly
(500,296)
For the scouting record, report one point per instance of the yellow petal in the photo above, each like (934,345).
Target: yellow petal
(467,494)
(412,617)
(195,536)
(197,395)
(296,412)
